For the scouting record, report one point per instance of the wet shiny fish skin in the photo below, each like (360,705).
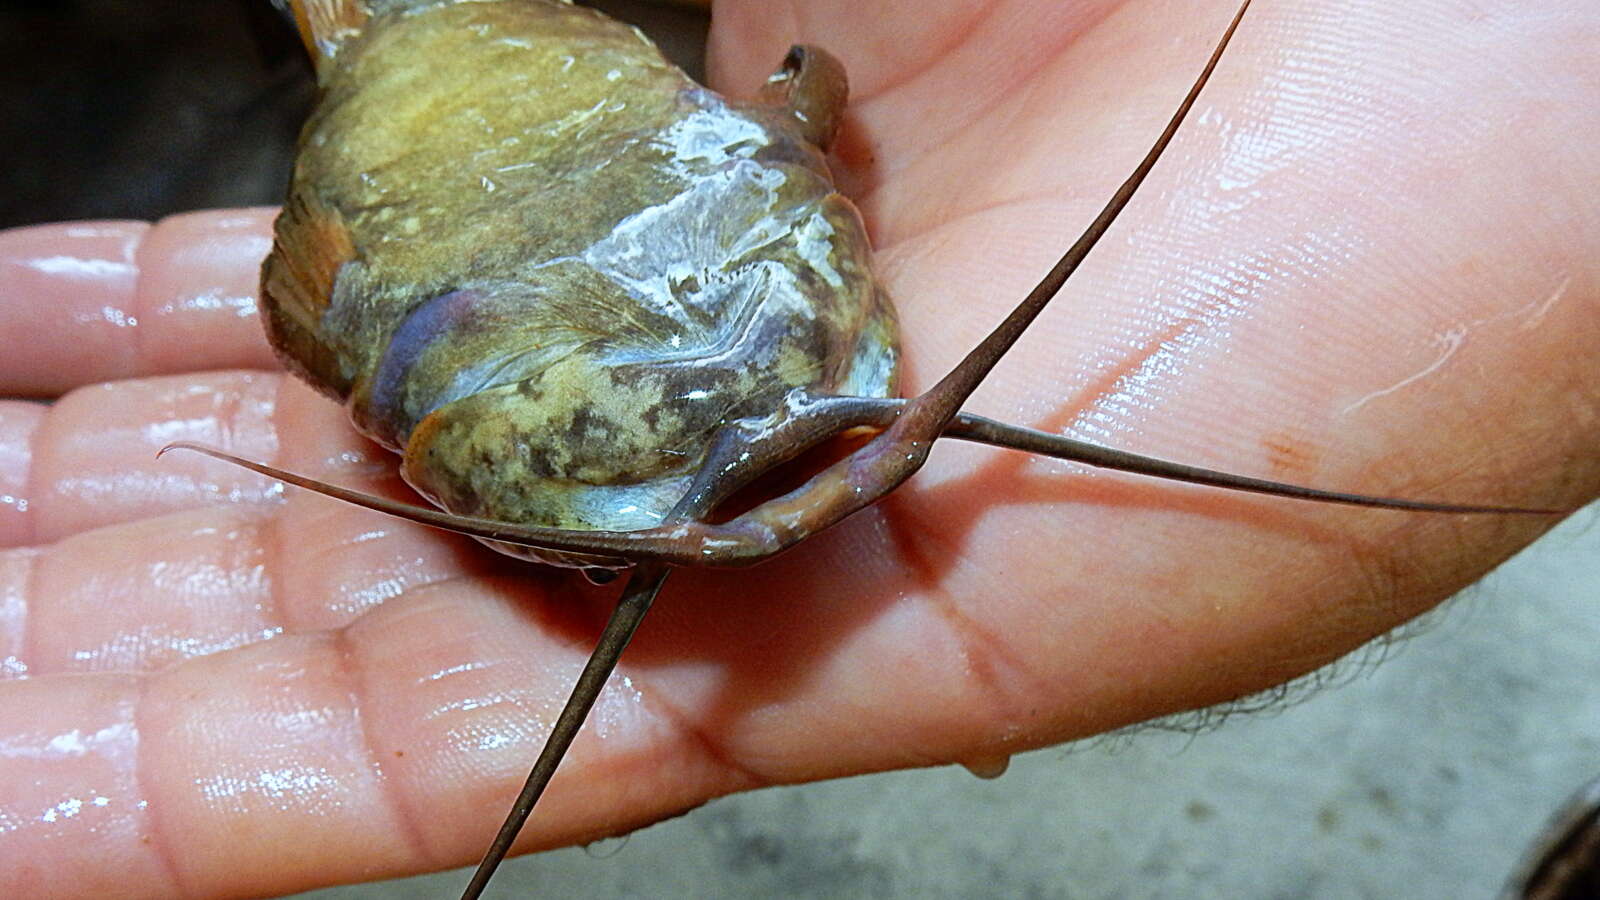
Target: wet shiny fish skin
(544,265)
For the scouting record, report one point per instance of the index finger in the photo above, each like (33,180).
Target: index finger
(86,302)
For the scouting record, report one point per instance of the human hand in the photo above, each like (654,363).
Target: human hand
(271,691)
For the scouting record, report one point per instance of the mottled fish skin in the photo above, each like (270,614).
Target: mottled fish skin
(542,263)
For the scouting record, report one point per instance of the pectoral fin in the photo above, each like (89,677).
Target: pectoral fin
(310,244)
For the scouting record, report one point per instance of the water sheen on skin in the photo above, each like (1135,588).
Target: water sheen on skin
(549,267)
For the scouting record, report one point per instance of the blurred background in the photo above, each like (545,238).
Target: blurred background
(1423,777)
(122,109)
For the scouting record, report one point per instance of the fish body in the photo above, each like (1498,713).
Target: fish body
(540,262)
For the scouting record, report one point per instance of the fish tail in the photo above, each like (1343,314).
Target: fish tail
(326,24)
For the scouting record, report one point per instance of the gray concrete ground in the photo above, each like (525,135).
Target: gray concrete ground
(1421,777)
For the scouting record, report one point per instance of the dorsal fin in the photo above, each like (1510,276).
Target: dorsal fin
(326,24)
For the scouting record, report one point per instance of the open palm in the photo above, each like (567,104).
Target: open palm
(1367,264)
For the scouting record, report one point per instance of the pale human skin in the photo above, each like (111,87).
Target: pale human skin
(1367,264)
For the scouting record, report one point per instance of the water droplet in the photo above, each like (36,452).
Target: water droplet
(987,767)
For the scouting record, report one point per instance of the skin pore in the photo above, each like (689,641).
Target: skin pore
(1348,273)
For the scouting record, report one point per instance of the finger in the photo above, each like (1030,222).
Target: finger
(89,459)
(92,459)
(19,422)
(93,766)
(77,821)
(138,596)
(312,760)
(96,301)
(131,585)
(146,594)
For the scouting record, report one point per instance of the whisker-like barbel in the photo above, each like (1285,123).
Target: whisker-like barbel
(663,544)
